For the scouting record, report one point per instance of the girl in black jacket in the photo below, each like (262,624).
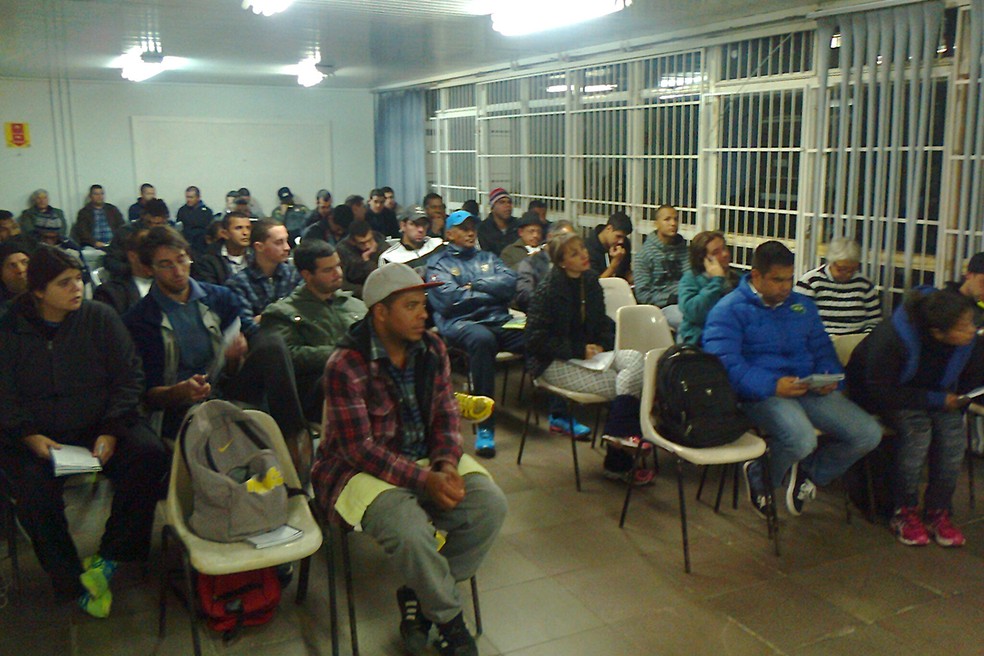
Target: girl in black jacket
(913,371)
(566,325)
(69,375)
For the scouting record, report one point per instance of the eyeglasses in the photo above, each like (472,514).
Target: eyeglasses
(182,262)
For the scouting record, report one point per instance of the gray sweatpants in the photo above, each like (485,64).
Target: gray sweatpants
(403,523)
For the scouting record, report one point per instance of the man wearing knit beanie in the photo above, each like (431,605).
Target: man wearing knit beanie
(499,229)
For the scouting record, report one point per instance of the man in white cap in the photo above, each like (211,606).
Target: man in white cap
(391,463)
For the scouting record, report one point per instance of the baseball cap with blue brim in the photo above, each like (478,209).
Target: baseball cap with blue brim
(457,218)
(390,279)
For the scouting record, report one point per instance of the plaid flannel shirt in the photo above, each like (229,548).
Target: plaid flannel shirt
(256,291)
(362,423)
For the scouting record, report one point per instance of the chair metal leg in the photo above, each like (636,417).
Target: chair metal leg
(970,464)
(683,516)
(526,430)
(192,600)
(302,581)
(162,601)
(594,435)
(522,381)
(478,611)
(639,455)
(870,489)
(10,510)
(717,501)
(349,591)
(772,516)
(577,468)
(735,468)
(329,543)
(703,478)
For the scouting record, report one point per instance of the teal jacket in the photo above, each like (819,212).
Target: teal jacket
(312,327)
(697,294)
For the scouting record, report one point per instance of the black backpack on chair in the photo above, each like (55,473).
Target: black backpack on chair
(696,404)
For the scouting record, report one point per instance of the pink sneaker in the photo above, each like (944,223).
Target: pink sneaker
(946,534)
(908,529)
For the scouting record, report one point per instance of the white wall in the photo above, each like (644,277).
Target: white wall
(82,133)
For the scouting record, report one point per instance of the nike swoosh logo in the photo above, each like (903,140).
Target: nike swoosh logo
(222,449)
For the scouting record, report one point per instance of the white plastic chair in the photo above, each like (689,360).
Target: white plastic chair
(844,345)
(746,447)
(217,558)
(641,328)
(571,397)
(617,294)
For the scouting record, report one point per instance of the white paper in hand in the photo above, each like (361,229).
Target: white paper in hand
(600,362)
(70,460)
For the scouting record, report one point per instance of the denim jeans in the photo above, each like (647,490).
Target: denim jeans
(938,435)
(790,426)
(482,343)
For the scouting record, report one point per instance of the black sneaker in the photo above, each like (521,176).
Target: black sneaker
(758,495)
(414,627)
(800,490)
(455,640)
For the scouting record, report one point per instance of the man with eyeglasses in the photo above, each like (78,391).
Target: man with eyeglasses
(191,337)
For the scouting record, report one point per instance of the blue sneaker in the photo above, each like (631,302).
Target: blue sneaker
(485,443)
(562,424)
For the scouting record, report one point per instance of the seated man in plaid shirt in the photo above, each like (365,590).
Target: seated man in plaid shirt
(390,460)
(269,277)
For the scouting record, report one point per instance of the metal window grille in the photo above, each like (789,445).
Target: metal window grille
(768,137)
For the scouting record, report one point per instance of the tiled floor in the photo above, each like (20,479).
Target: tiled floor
(563,579)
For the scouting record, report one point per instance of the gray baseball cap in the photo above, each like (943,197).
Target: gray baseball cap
(389,279)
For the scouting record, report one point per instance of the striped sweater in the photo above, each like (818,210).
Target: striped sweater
(845,307)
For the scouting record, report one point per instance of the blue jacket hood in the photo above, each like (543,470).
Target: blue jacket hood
(909,335)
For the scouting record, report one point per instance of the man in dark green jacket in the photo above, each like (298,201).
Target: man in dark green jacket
(313,318)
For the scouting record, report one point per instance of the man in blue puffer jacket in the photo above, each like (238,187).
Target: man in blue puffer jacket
(769,339)
(470,308)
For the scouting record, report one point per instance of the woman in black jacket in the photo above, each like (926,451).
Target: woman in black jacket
(69,375)
(566,325)
(913,371)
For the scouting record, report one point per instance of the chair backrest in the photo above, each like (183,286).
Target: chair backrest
(648,397)
(641,328)
(617,294)
(179,495)
(845,344)
(99,276)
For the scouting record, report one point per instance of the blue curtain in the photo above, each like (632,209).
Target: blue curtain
(401,123)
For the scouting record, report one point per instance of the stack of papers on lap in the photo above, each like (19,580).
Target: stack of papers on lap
(281,535)
(600,362)
(70,460)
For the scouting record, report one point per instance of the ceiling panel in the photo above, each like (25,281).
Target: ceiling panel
(371,43)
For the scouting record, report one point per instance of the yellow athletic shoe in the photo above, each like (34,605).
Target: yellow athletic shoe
(97,606)
(474,408)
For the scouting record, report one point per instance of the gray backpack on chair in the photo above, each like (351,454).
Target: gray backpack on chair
(237,482)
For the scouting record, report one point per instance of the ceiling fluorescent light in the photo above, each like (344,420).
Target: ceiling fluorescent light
(137,64)
(311,71)
(267,7)
(520,17)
